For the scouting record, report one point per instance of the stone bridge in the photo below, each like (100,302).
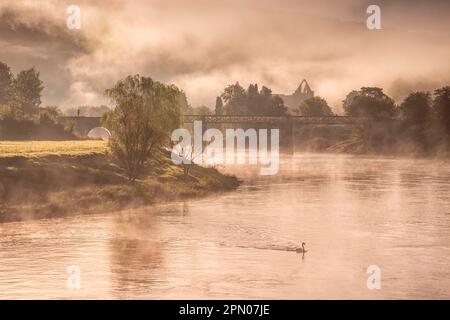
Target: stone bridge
(84,124)
(288,125)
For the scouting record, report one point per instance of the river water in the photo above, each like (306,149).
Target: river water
(352,212)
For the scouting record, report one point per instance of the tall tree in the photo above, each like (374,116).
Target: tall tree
(314,107)
(183,103)
(277,107)
(369,102)
(6,82)
(234,97)
(441,108)
(239,101)
(414,116)
(253,104)
(27,91)
(145,113)
(219,106)
(415,109)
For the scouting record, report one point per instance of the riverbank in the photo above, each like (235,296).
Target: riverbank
(55,184)
(357,146)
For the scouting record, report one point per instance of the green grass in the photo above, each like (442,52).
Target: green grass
(53,179)
(44,148)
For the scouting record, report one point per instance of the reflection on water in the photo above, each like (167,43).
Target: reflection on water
(352,212)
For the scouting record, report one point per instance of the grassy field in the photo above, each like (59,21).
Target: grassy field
(43,179)
(43,148)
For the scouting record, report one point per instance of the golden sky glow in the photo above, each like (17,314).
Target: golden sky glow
(202,46)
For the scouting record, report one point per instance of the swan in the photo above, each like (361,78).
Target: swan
(302,249)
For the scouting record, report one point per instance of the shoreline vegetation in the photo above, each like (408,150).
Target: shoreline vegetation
(57,179)
(40,178)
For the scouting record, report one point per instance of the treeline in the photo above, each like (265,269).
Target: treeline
(20,95)
(420,124)
(235,100)
(21,115)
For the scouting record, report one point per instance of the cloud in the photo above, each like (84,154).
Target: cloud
(37,24)
(201,46)
(400,88)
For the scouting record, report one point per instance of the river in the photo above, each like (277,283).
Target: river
(352,211)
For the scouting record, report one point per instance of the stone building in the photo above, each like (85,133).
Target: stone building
(303,92)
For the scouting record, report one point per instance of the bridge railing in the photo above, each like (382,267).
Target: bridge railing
(275,119)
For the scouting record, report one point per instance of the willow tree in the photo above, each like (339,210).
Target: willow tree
(145,114)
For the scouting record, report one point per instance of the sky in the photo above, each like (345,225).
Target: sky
(203,45)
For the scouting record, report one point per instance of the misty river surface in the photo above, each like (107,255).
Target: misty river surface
(352,211)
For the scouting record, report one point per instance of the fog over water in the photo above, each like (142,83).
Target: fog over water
(352,212)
